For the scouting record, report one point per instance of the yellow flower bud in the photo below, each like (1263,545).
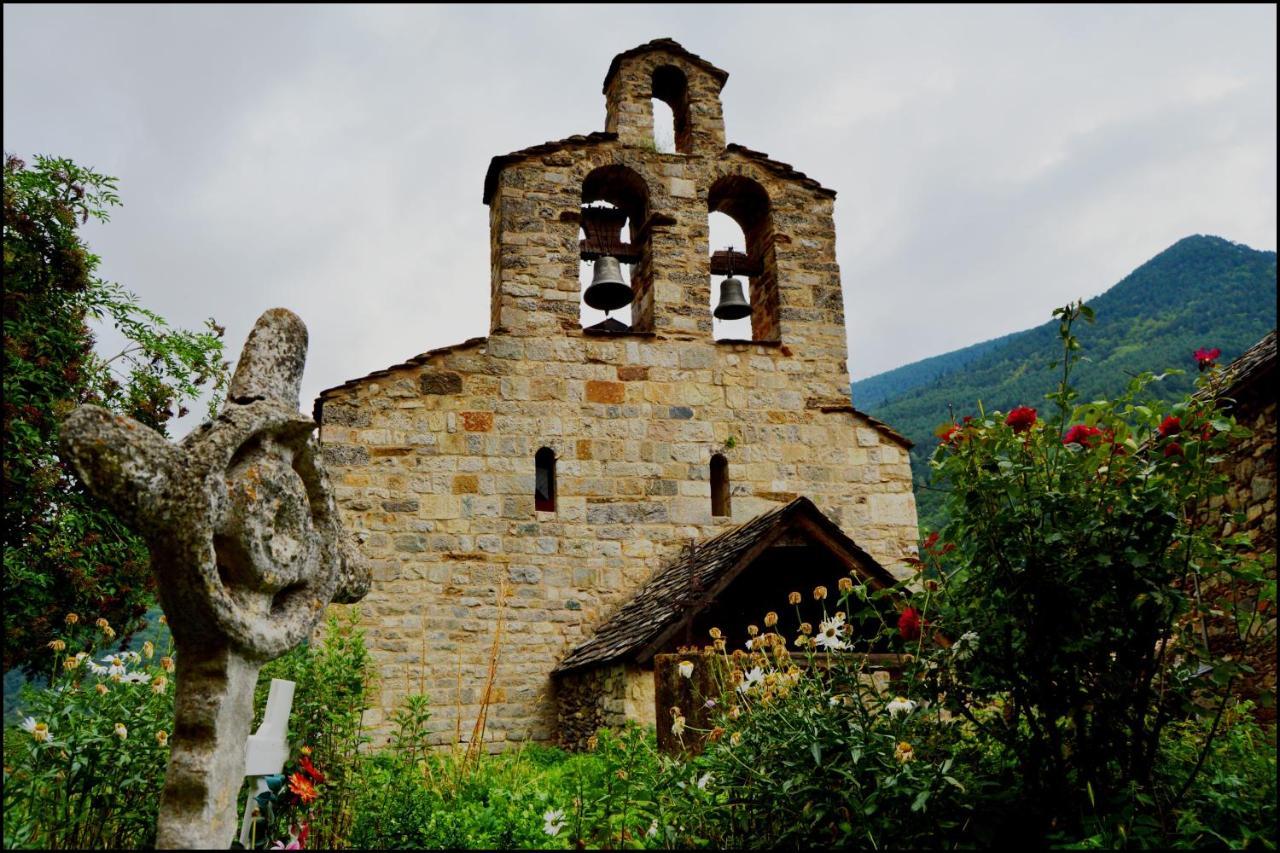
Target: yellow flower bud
(148,649)
(159,684)
(846,585)
(793,598)
(71,618)
(101,623)
(819,593)
(57,645)
(101,688)
(715,633)
(752,630)
(770,619)
(166,663)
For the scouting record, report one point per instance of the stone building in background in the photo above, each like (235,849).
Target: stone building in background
(562,468)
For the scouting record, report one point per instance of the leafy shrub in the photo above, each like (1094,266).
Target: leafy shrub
(86,766)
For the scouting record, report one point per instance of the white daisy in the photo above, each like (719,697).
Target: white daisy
(135,678)
(553,821)
(964,647)
(703,780)
(686,669)
(753,676)
(39,731)
(900,705)
(829,631)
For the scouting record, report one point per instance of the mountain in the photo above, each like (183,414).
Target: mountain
(1200,292)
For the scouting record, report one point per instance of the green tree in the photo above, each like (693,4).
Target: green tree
(63,552)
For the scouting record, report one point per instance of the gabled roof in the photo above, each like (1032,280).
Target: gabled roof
(1257,362)
(578,140)
(670,46)
(415,361)
(782,170)
(685,586)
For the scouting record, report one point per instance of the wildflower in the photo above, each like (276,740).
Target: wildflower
(793,598)
(166,663)
(903,752)
(1021,419)
(71,618)
(148,649)
(703,780)
(553,821)
(1171,425)
(163,619)
(963,648)
(158,686)
(132,657)
(101,688)
(162,737)
(900,705)
(829,633)
(121,731)
(677,727)
(931,540)
(819,593)
(134,678)
(1206,358)
(909,624)
(710,703)
(718,645)
(293,844)
(306,750)
(845,585)
(752,677)
(735,739)
(686,669)
(39,731)
(1082,435)
(302,787)
(715,633)
(1173,449)
(109,632)
(735,712)
(652,831)
(71,663)
(948,433)
(621,774)
(752,630)
(310,769)
(715,734)
(806,628)
(114,666)
(57,645)
(101,623)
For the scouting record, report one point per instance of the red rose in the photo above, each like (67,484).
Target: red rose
(947,433)
(1206,358)
(310,769)
(1173,449)
(1021,418)
(909,624)
(931,540)
(1171,425)
(1082,435)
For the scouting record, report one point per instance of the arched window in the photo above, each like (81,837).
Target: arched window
(747,204)
(544,484)
(615,214)
(672,132)
(719,486)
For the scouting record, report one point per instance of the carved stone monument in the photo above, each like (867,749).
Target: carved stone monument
(248,551)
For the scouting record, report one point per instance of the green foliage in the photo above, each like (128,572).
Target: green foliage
(1079,544)
(1202,291)
(82,781)
(334,684)
(62,551)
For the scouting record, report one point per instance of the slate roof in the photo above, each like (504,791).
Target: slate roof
(416,361)
(670,46)
(497,164)
(782,170)
(1256,362)
(663,603)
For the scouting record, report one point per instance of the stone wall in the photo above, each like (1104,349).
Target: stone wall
(1252,468)
(602,697)
(432,461)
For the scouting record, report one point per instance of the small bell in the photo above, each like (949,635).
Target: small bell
(733,305)
(608,290)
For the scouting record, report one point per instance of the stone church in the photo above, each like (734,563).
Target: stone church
(602,492)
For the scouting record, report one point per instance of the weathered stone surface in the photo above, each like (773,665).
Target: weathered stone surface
(439,382)
(247,548)
(633,419)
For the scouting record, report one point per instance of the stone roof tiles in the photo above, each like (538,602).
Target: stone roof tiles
(1255,363)
(497,164)
(782,170)
(670,46)
(664,603)
(415,361)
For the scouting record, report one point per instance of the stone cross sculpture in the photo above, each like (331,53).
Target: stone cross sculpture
(247,549)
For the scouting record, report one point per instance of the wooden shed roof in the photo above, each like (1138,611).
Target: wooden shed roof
(682,588)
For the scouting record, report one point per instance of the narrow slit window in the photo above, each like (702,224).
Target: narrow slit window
(719,486)
(544,488)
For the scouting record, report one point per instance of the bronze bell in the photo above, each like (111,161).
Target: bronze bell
(608,290)
(733,305)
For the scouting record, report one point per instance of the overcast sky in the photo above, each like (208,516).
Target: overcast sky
(991,162)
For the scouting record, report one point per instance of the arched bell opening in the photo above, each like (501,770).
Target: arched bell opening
(725,235)
(615,271)
(746,203)
(670,102)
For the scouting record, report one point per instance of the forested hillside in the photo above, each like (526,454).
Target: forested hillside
(1201,291)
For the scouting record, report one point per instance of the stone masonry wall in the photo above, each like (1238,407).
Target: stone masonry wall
(433,461)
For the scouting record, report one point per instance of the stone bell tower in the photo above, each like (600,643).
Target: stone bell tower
(567,462)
